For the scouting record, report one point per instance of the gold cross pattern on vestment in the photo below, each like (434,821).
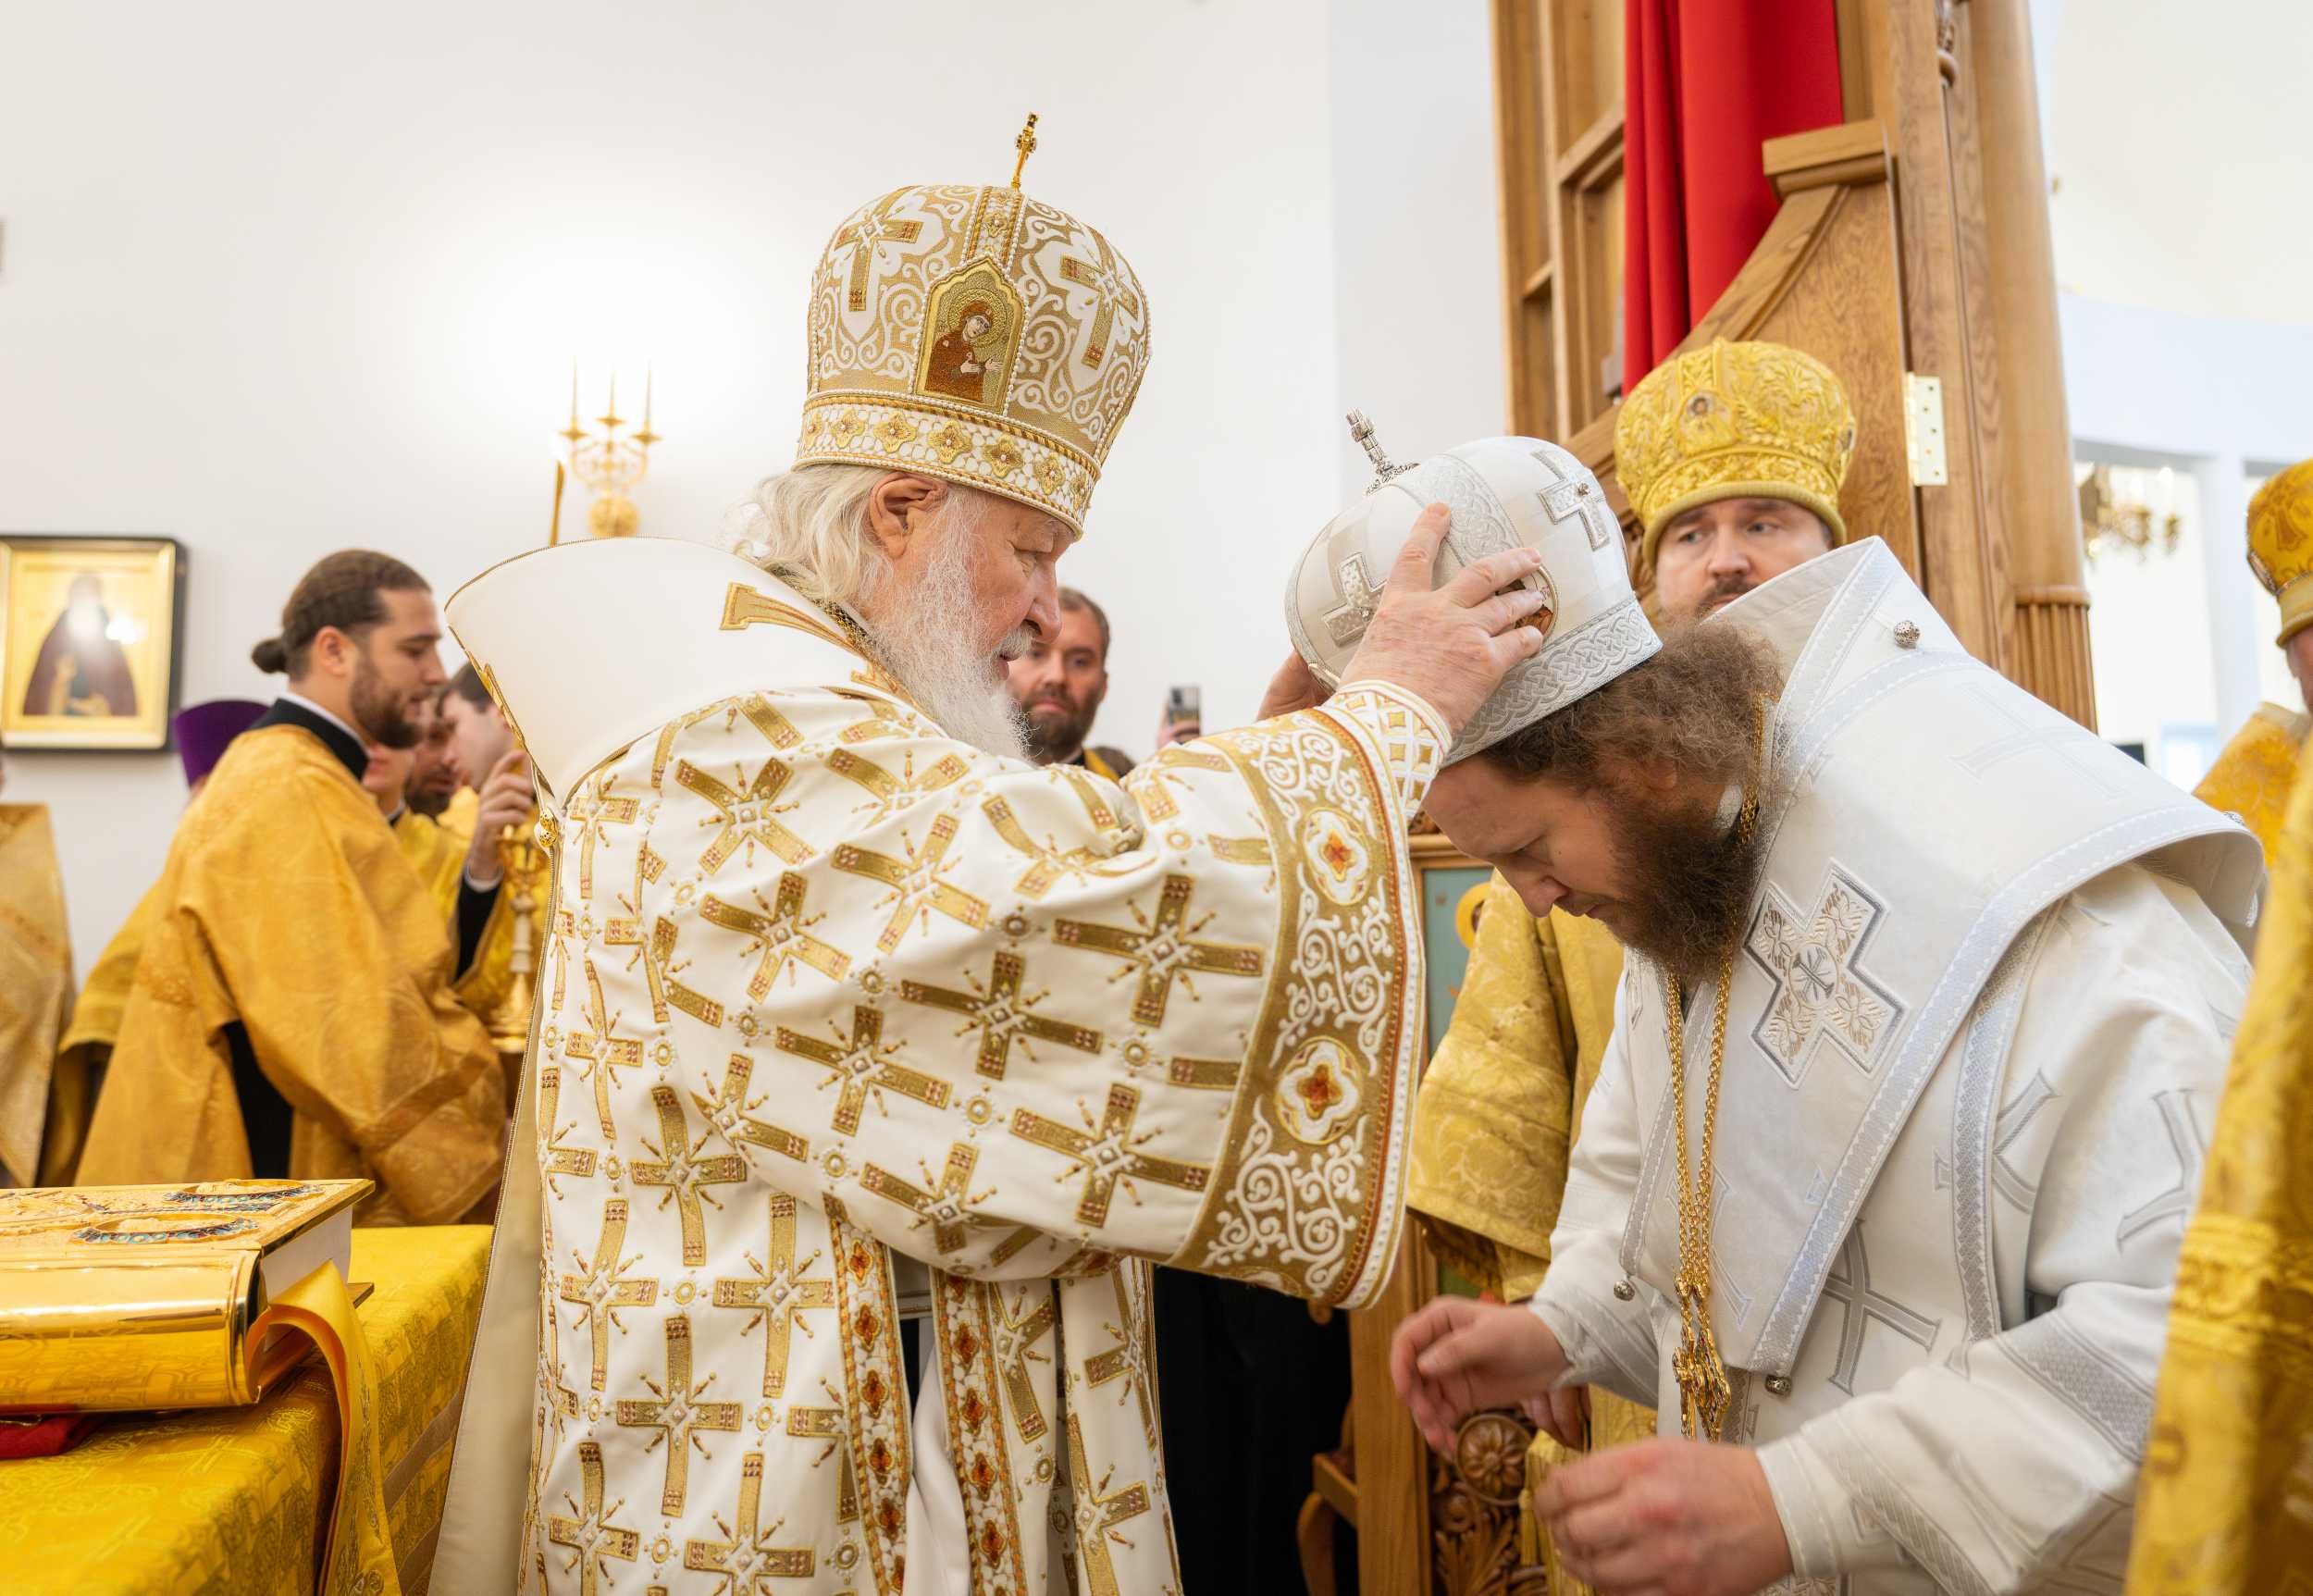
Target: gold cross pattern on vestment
(599,1290)
(915,888)
(560,1160)
(1050,865)
(1109,293)
(947,1208)
(861,1063)
(1015,1348)
(1163,951)
(777,1295)
(748,1557)
(888,791)
(677,1414)
(593,810)
(658,970)
(591,1536)
(863,237)
(782,936)
(1002,1015)
(1099,1512)
(1105,1153)
(726,1109)
(1128,1359)
(602,1051)
(747,816)
(683,1172)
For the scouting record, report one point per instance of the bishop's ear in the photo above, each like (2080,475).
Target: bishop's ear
(899,506)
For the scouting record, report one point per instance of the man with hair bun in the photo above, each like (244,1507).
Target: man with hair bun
(292,1012)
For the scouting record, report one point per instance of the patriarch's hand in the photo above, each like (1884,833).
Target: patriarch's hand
(1452,645)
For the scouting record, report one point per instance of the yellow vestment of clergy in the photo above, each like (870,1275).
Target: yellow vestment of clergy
(2252,775)
(437,854)
(88,1043)
(35,983)
(458,818)
(2222,1509)
(1500,1107)
(288,907)
(824,985)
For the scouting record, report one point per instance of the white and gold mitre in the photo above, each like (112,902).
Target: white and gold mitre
(975,335)
(1504,492)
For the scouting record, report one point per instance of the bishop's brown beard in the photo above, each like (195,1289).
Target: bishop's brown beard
(1689,886)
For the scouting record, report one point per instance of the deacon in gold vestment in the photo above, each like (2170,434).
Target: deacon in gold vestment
(1733,456)
(35,983)
(835,977)
(292,1012)
(2221,1511)
(2252,775)
(203,731)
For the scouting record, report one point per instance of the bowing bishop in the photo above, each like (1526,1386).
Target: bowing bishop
(847,1008)
(1878,1196)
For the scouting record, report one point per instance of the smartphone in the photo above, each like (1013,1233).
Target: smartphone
(1184,706)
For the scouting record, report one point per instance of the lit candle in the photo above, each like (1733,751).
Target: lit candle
(646,399)
(574,395)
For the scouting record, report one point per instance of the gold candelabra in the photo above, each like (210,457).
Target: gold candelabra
(2108,523)
(608,463)
(524,861)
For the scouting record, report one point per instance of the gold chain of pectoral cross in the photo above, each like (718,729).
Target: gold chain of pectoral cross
(1703,1390)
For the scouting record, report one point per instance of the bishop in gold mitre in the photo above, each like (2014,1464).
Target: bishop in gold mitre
(850,1013)
(1732,457)
(2252,775)
(291,1012)
(35,982)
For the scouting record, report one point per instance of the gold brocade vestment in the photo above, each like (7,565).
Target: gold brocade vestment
(35,983)
(2222,1509)
(439,857)
(1499,1113)
(88,1043)
(288,905)
(824,984)
(2252,775)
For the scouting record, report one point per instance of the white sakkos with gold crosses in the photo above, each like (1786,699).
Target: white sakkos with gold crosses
(824,984)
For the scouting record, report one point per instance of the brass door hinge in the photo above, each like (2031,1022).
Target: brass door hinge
(1923,429)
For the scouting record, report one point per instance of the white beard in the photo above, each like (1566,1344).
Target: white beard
(924,633)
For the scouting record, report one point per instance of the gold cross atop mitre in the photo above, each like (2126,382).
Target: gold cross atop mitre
(1026,145)
(973,334)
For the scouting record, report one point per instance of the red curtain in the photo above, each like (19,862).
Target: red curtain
(1704,82)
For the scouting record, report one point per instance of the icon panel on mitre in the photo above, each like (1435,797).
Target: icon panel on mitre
(1503,493)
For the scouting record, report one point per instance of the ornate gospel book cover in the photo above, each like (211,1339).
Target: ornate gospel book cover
(147,1297)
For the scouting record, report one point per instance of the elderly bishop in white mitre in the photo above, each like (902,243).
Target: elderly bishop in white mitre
(836,982)
(1879,1193)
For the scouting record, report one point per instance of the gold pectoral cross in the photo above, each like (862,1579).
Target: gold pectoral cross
(1704,1392)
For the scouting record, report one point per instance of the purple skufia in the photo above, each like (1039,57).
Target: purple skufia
(202,730)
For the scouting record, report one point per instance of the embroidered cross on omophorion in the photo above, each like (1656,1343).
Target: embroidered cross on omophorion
(1820,997)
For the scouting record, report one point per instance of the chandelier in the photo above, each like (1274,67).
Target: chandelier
(2108,523)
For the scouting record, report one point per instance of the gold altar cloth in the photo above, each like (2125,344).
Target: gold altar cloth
(230,1502)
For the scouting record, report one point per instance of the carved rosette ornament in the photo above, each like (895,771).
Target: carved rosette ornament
(1473,1499)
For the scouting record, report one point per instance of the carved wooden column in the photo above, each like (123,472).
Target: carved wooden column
(2033,512)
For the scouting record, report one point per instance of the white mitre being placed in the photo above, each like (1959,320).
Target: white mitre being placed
(1504,493)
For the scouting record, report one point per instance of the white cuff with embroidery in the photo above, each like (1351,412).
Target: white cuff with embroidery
(1412,735)
(1822,1521)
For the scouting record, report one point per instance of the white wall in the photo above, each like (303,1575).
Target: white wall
(283,279)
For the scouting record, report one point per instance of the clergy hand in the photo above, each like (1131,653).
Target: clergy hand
(1452,645)
(1680,1517)
(1295,686)
(1456,1355)
(505,800)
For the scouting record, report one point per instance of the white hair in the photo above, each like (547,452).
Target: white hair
(809,526)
